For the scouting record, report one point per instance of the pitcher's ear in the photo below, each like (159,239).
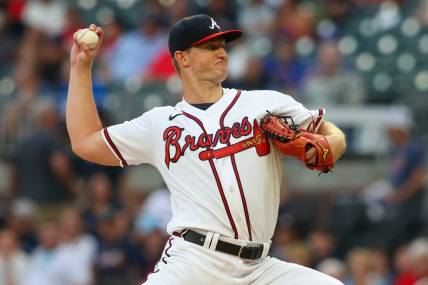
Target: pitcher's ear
(182,58)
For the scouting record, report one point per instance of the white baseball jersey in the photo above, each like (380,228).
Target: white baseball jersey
(223,174)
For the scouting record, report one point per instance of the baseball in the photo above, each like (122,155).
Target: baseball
(87,37)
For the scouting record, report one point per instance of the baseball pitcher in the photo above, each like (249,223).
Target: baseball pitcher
(220,153)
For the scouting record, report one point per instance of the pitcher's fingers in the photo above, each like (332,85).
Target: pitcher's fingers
(84,47)
(311,156)
(100,32)
(76,34)
(310,153)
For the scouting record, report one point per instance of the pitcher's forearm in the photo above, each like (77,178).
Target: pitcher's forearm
(81,113)
(335,137)
(338,145)
(83,123)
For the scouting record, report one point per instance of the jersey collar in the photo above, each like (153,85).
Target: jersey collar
(216,109)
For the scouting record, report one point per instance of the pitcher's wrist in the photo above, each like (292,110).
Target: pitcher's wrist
(80,66)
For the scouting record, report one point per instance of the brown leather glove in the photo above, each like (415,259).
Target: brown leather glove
(296,142)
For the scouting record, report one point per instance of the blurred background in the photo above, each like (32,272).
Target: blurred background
(64,221)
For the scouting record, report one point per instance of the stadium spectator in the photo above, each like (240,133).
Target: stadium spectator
(422,13)
(131,195)
(10,34)
(100,201)
(179,9)
(418,250)
(35,14)
(333,267)
(21,221)
(413,263)
(74,260)
(113,32)
(223,11)
(254,76)
(135,50)
(17,120)
(160,69)
(402,263)
(402,219)
(331,84)
(13,261)
(116,253)
(42,167)
(322,243)
(282,68)
(381,270)
(49,62)
(286,235)
(150,229)
(73,22)
(337,11)
(360,267)
(256,19)
(42,258)
(149,216)
(294,20)
(238,57)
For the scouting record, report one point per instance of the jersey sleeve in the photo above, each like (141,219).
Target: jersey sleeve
(131,141)
(285,105)
(313,122)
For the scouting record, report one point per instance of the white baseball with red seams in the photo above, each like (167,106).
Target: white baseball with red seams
(87,37)
(224,177)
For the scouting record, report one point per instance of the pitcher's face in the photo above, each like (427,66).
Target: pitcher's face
(208,61)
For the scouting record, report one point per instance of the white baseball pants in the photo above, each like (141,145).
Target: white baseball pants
(185,263)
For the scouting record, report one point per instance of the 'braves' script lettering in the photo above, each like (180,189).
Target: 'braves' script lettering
(174,149)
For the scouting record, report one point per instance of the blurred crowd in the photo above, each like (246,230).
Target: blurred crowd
(64,221)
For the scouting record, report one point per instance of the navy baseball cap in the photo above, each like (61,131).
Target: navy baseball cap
(197,29)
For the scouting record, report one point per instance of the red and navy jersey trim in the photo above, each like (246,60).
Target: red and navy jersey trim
(314,125)
(114,148)
(217,178)
(235,169)
(166,250)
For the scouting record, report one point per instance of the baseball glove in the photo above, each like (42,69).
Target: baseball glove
(296,142)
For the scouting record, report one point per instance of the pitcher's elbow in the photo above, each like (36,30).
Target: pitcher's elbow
(78,149)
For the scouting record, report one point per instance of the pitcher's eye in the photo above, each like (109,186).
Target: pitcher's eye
(213,47)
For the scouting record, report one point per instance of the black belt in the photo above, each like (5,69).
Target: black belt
(247,252)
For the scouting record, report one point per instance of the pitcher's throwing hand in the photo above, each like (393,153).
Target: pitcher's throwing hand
(85,49)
